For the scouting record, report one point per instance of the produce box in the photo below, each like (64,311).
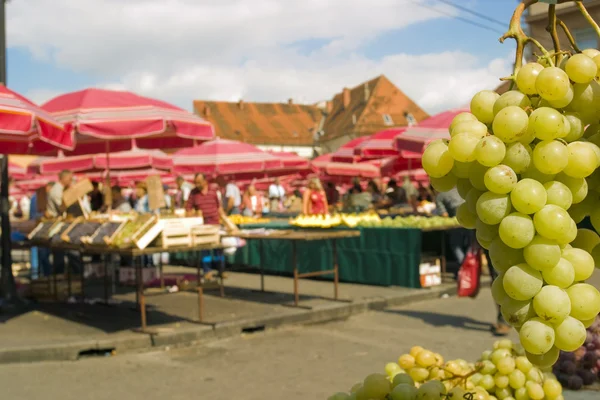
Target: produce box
(41,289)
(42,231)
(80,230)
(133,230)
(105,233)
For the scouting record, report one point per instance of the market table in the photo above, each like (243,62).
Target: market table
(384,256)
(293,237)
(136,254)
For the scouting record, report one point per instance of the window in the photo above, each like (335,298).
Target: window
(410,119)
(387,119)
(585,38)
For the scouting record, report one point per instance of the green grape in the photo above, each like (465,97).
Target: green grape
(521,282)
(482,105)
(500,179)
(579,211)
(404,392)
(593,180)
(586,239)
(536,336)
(581,260)
(471,200)
(461,170)
(527,76)
(431,390)
(552,388)
(528,196)
(419,374)
(550,156)
(568,236)
(510,124)
(517,379)
(581,68)
(585,301)
(545,360)
(474,128)
(546,123)
(591,53)
(577,186)
(487,368)
(505,366)
(591,130)
(456,393)
(437,160)
(564,101)
(462,147)
(552,304)
(552,83)
(490,151)
(533,173)
(376,386)
(575,127)
(561,275)
(465,217)
(392,368)
(499,354)
(518,157)
(498,292)
(402,378)
(585,98)
(534,391)
(339,396)
(542,254)
(443,184)
(462,117)
(588,322)
(501,381)
(487,382)
(516,312)
(463,186)
(582,160)
(552,222)
(558,194)
(477,176)
(595,219)
(569,334)
(511,98)
(503,394)
(523,364)
(596,150)
(517,230)
(487,232)
(504,257)
(493,207)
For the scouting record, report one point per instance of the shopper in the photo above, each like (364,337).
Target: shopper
(232,198)
(119,202)
(183,192)
(276,196)
(314,200)
(252,203)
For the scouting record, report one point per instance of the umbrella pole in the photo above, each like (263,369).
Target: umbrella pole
(8,289)
(107,179)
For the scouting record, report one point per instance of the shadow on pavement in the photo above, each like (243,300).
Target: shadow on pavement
(436,319)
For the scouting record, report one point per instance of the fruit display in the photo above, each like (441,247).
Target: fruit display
(241,220)
(526,164)
(57,231)
(582,367)
(41,231)
(106,230)
(317,221)
(500,374)
(411,222)
(125,237)
(81,231)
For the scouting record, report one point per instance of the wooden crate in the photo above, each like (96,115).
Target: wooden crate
(176,232)
(105,233)
(205,234)
(42,289)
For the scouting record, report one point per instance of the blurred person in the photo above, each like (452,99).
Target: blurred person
(119,202)
(332,194)
(314,200)
(394,195)
(252,203)
(142,204)
(168,201)
(360,200)
(412,193)
(293,203)
(182,193)
(375,191)
(202,198)
(276,196)
(55,207)
(425,193)
(96,197)
(40,256)
(232,198)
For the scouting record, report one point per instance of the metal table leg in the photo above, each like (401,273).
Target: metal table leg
(105,259)
(335,270)
(140,295)
(199,288)
(260,264)
(160,271)
(295,263)
(221,274)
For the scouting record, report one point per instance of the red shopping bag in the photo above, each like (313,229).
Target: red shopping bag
(469,274)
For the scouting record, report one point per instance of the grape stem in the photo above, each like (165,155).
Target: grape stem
(588,17)
(551,29)
(568,35)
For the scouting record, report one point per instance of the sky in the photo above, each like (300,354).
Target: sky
(256,50)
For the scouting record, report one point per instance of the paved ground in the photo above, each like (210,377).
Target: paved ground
(298,363)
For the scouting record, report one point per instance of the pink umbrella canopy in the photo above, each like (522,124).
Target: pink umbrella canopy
(127,178)
(390,166)
(346,152)
(361,170)
(99,116)
(224,157)
(321,161)
(27,129)
(291,160)
(123,160)
(415,138)
(382,145)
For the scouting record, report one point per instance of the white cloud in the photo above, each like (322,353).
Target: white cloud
(180,50)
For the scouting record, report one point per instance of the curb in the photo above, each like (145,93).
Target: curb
(132,342)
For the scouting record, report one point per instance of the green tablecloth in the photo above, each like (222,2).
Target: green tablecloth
(380,256)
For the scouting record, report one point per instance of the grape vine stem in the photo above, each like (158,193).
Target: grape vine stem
(588,17)
(568,35)
(551,28)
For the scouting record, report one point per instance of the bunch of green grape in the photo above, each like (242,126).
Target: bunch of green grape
(526,164)
(503,373)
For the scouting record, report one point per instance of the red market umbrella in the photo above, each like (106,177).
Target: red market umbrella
(390,166)
(382,145)
(415,138)
(320,161)
(291,160)
(27,129)
(99,116)
(123,160)
(361,170)
(127,178)
(346,152)
(224,157)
